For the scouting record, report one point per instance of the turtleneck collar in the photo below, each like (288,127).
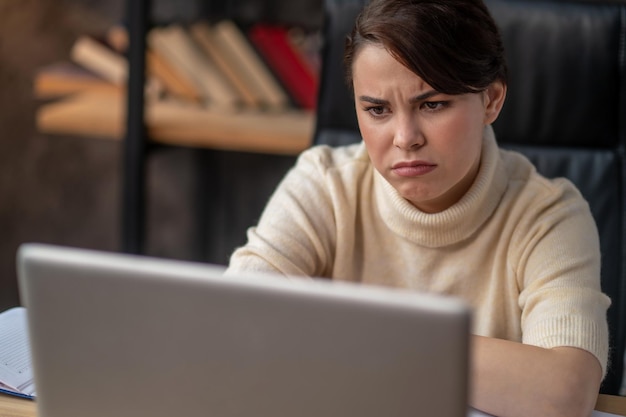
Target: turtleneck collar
(459,221)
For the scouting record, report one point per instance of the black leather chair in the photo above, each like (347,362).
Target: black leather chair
(565,109)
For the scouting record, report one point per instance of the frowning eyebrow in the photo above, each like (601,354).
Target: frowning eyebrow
(378,101)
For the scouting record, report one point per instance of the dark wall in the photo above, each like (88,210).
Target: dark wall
(66,190)
(306,13)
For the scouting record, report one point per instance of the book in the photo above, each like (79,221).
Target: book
(16,375)
(244,57)
(101,59)
(173,82)
(64,78)
(203,34)
(296,74)
(175,44)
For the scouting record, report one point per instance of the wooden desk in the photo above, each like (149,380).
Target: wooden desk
(19,407)
(16,407)
(612,404)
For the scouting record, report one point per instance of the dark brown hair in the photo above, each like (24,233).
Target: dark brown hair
(453,45)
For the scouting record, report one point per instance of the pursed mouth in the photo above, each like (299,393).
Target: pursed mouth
(410,164)
(413,168)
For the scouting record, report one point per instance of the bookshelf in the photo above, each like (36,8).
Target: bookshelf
(143,125)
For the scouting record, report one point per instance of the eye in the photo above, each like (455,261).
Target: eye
(434,105)
(376,111)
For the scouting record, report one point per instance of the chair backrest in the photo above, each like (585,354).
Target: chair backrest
(565,110)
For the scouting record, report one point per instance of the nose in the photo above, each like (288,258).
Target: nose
(408,135)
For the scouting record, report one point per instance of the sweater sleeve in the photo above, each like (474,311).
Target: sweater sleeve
(559,276)
(295,234)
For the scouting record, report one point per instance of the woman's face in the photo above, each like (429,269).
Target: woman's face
(426,144)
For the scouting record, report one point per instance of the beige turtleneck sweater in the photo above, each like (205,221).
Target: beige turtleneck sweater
(522,250)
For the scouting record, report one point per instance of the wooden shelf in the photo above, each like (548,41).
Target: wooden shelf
(286,132)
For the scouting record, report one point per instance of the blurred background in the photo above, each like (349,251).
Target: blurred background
(66,189)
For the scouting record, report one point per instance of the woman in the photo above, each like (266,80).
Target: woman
(429,202)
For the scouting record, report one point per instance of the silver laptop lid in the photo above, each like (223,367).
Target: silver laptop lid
(120,335)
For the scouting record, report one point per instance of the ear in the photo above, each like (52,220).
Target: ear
(494,97)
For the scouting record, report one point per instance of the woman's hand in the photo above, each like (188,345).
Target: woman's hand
(511,379)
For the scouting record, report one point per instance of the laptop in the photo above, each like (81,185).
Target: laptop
(128,335)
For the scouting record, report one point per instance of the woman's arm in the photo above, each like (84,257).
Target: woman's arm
(510,379)
(296,232)
(557,367)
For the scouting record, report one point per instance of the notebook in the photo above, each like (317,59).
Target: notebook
(127,335)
